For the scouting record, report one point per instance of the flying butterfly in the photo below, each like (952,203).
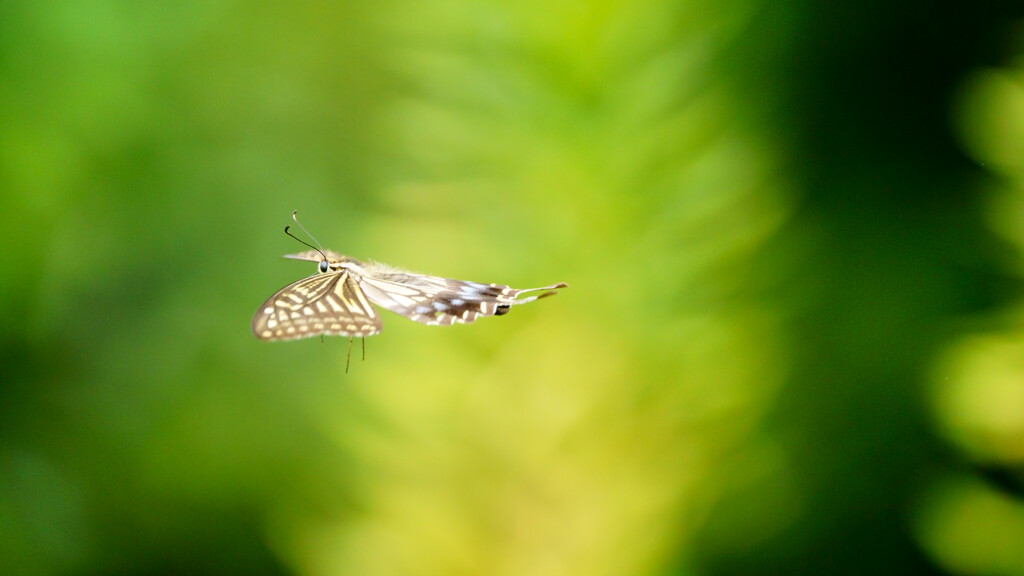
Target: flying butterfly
(336,301)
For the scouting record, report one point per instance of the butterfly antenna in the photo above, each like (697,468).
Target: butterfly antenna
(318,248)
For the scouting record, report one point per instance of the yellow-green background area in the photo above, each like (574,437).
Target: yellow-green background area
(793,341)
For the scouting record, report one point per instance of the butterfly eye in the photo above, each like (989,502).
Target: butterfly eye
(324,266)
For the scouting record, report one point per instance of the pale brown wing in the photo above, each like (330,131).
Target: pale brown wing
(329,304)
(316,256)
(438,301)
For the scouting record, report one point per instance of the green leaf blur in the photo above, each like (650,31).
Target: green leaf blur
(792,341)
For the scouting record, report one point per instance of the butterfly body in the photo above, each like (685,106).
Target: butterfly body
(336,301)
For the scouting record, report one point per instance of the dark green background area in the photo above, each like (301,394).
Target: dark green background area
(788,230)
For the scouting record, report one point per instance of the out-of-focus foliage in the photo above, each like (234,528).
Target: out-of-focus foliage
(774,244)
(976,527)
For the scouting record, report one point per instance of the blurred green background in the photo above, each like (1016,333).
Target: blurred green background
(793,341)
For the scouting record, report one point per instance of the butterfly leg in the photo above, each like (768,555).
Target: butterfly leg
(348,356)
(363,340)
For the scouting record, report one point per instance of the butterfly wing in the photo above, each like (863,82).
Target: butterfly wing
(317,256)
(330,304)
(437,301)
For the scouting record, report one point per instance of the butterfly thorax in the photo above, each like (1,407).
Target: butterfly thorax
(355,267)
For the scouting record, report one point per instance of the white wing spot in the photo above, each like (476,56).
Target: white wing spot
(439,306)
(423,310)
(268,310)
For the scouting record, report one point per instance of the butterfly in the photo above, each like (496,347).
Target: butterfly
(338,300)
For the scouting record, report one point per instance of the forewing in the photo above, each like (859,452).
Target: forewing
(437,301)
(315,256)
(329,304)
